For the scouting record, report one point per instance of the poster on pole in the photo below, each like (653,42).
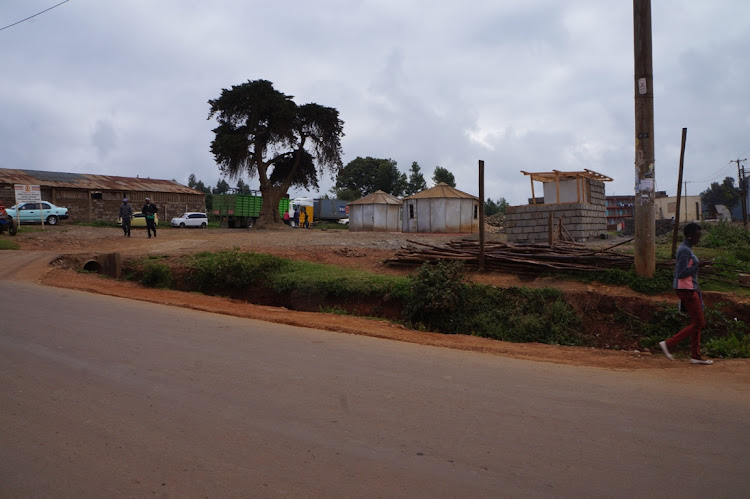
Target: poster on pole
(28,194)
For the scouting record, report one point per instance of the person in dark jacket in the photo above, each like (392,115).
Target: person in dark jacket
(149,210)
(686,285)
(126,214)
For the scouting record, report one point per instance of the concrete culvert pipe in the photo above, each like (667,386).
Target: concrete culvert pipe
(92,266)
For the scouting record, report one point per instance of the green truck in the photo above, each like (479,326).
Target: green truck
(241,210)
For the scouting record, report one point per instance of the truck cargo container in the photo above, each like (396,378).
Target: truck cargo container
(241,210)
(331,210)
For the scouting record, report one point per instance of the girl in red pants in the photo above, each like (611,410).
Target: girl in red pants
(686,285)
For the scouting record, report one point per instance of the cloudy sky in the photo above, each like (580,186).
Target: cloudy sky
(121,87)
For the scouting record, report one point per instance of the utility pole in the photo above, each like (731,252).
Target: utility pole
(645,173)
(743,188)
(679,193)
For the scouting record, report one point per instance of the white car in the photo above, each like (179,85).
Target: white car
(191,219)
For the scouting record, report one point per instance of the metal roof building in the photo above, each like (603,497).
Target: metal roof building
(91,197)
(441,209)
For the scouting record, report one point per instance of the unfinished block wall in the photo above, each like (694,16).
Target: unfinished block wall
(584,221)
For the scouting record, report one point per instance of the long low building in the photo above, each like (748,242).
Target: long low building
(91,197)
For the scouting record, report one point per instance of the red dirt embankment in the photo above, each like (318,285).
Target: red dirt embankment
(347,249)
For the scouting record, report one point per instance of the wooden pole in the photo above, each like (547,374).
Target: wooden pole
(679,193)
(645,171)
(550,233)
(481,215)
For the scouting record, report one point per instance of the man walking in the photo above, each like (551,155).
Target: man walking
(149,210)
(126,213)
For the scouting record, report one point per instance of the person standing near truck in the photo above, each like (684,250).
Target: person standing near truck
(149,210)
(126,214)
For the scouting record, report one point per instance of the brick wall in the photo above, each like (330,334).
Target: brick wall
(105,206)
(530,223)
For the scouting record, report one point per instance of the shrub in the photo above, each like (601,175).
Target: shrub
(440,299)
(231,269)
(156,275)
(725,235)
(436,295)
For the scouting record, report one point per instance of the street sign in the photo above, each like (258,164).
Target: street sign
(28,194)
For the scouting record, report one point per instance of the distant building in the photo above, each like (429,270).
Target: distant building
(98,197)
(441,209)
(665,208)
(376,212)
(620,209)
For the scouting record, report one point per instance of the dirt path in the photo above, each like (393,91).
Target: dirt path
(342,248)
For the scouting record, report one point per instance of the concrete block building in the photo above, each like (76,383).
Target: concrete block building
(575,198)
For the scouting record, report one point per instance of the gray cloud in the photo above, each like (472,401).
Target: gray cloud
(122,88)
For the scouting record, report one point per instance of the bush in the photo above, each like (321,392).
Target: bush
(725,235)
(231,269)
(157,275)
(441,300)
(436,295)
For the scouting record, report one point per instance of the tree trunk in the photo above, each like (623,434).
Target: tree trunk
(269,211)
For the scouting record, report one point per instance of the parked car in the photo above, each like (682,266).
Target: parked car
(139,220)
(191,219)
(35,212)
(344,221)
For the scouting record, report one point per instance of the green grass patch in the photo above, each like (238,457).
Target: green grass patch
(8,244)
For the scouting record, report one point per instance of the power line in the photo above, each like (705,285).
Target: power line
(38,13)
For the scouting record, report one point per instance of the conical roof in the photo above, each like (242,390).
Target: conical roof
(377,197)
(441,190)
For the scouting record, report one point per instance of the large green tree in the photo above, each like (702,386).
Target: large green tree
(416,180)
(264,132)
(725,193)
(367,175)
(443,176)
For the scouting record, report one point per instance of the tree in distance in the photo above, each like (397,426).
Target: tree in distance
(363,176)
(416,180)
(222,187)
(198,185)
(493,207)
(443,176)
(725,193)
(265,133)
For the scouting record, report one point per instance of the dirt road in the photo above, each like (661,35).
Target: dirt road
(361,250)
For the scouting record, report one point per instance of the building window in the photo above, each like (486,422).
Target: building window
(96,195)
(411,211)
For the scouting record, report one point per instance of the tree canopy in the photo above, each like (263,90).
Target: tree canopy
(263,132)
(364,176)
(222,187)
(198,185)
(416,180)
(442,175)
(725,193)
(493,207)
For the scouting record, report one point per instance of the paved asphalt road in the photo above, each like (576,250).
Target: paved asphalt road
(108,397)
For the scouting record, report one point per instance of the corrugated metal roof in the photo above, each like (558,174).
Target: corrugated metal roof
(441,191)
(91,182)
(377,197)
